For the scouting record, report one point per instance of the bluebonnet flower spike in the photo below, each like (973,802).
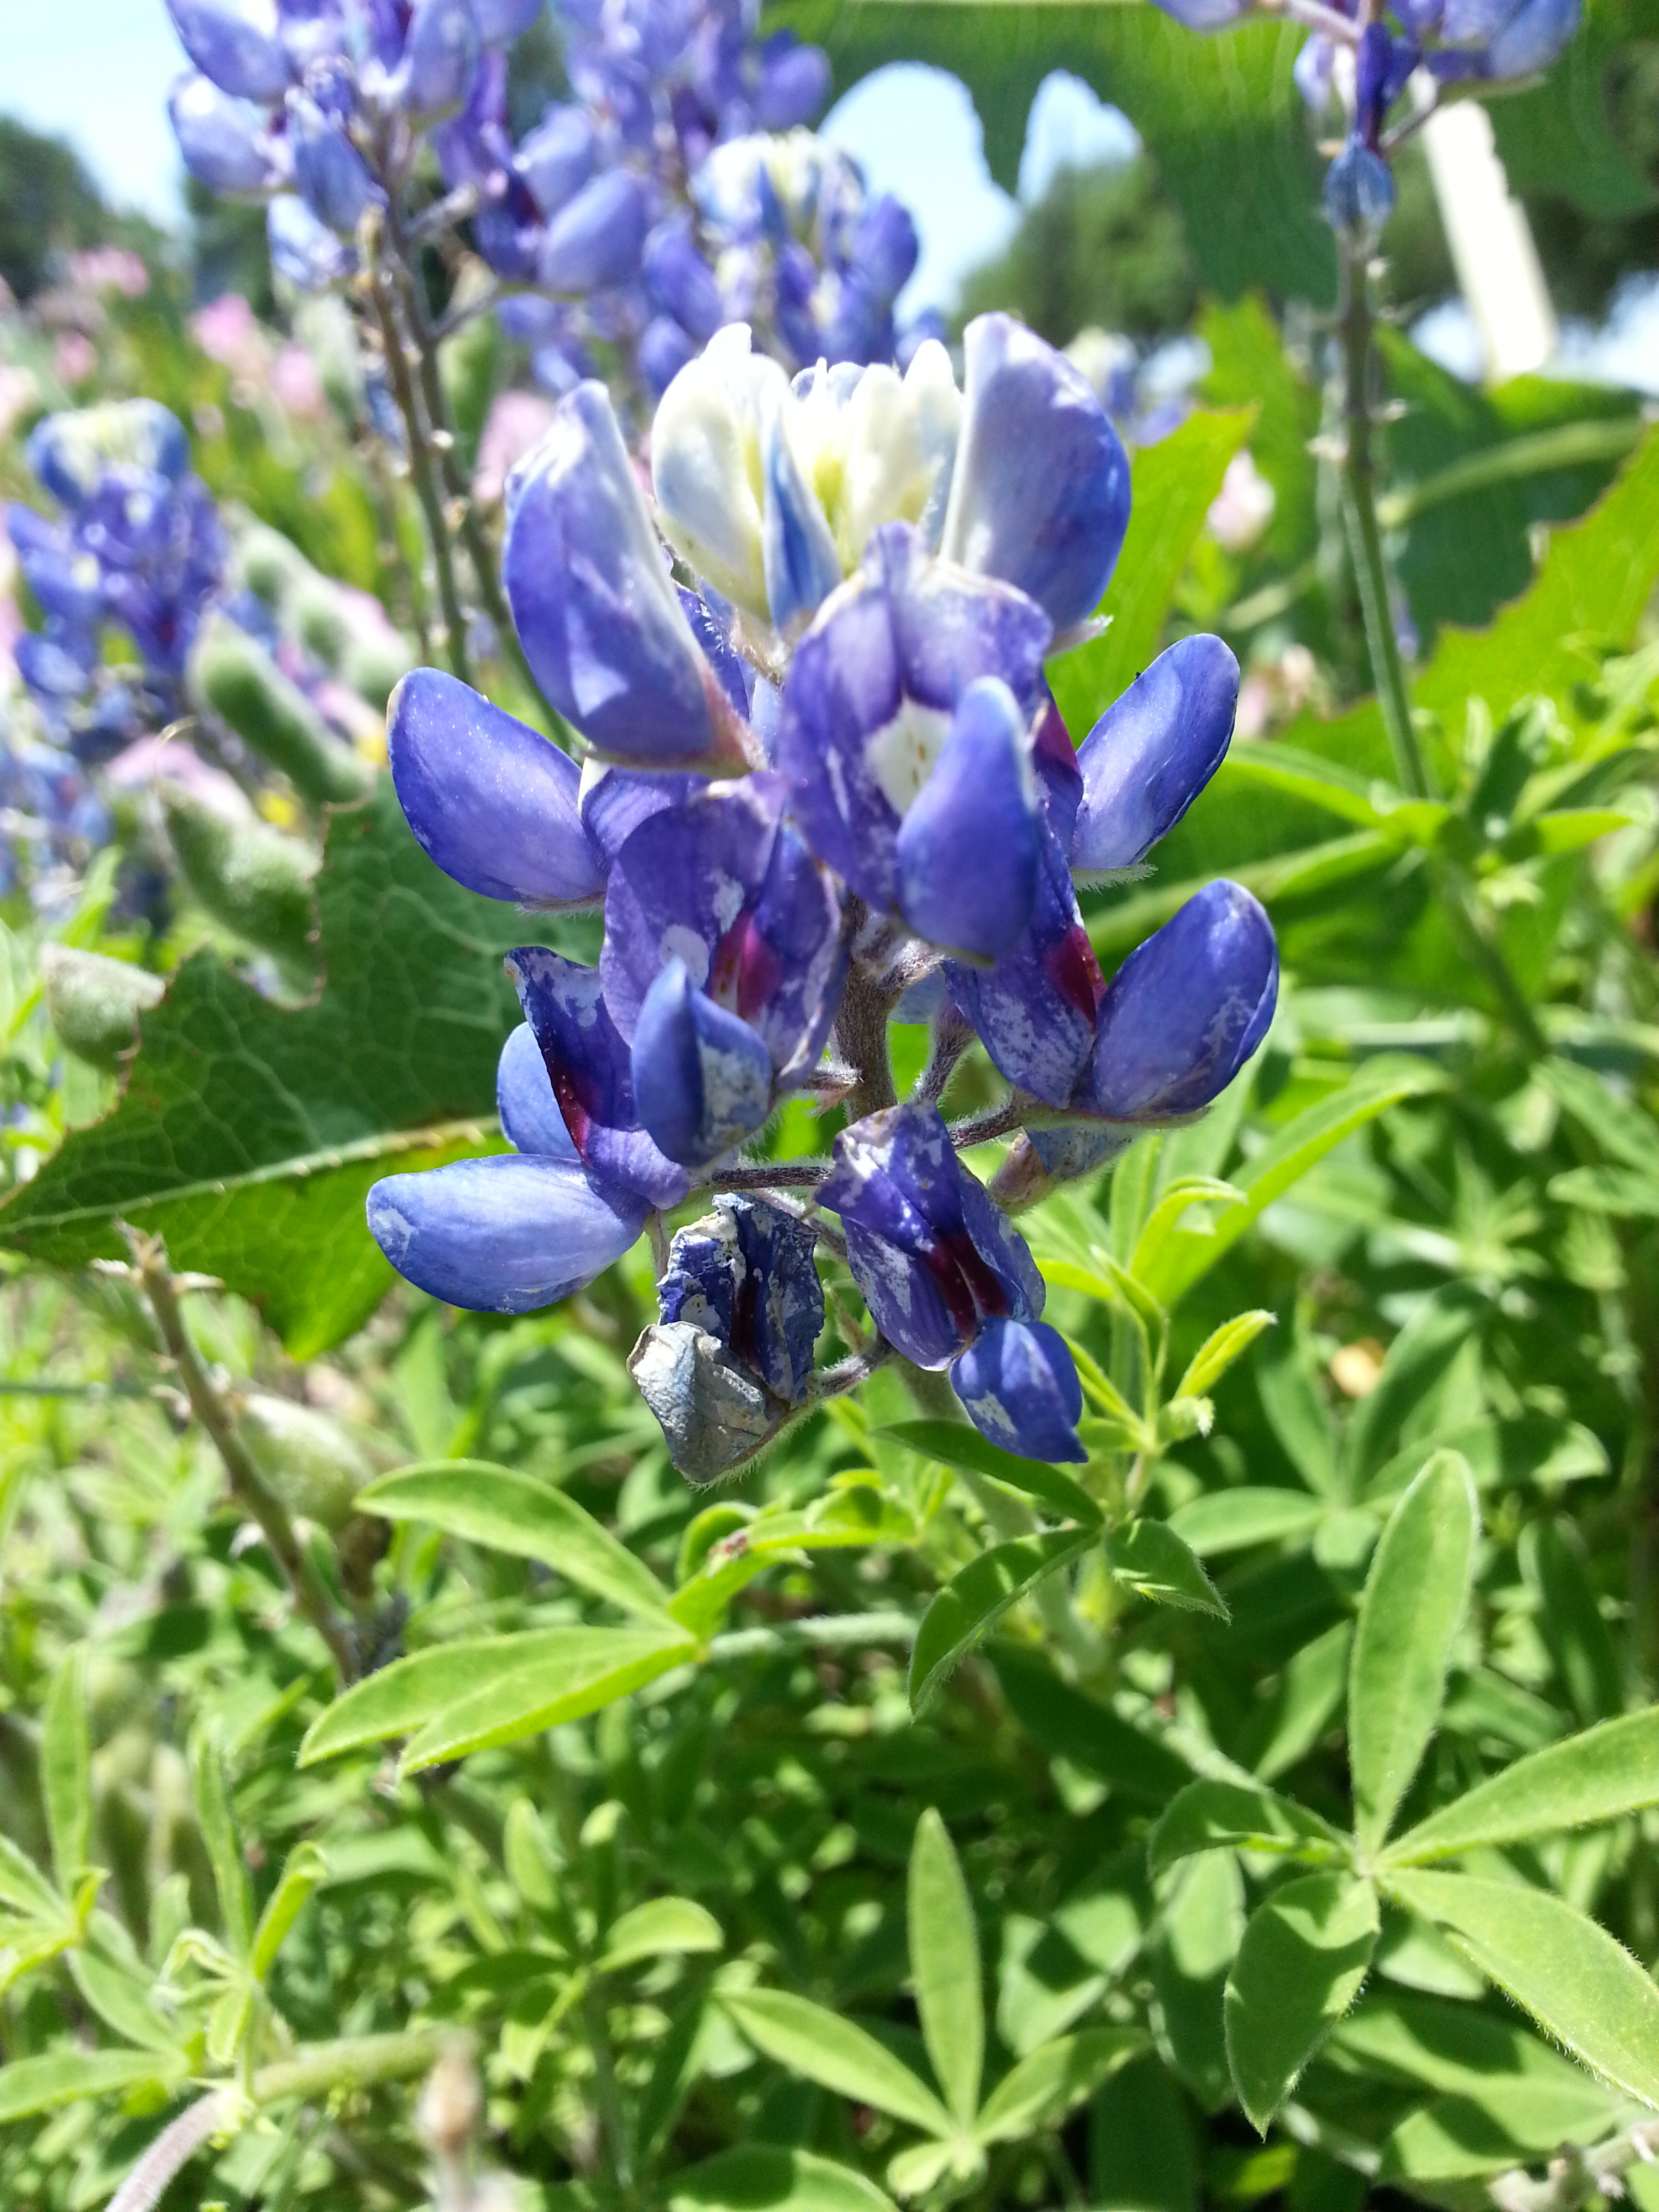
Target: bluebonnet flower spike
(745,1274)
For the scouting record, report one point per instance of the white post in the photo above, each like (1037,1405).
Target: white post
(1491,242)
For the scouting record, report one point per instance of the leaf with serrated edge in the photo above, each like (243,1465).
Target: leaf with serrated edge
(491,1505)
(944,1967)
(1149,1558)
(1582,1988)
(975,1599)
(1304,1954)
(822,2047)
(1413,1604)
(1601,1775)
(1209,1816)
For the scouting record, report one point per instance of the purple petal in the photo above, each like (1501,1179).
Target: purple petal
(1186,1010)
(594,240)
(797,549)
(227,43)
(492,803)
(1037,1010)
(330,174)
(745,1274)
(500,22)
(794,82)
(701,1077)
(1040,495)
(1058,773)
(597,610)
(500,1235)
(530,1115)
(556,159)
(968,848)
(303,250)
(614,801)
(591,1075)
(442,49)
(222,144)
(678,278)
(1152,752)
(1019,1386)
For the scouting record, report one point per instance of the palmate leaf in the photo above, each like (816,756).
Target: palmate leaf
(248,1134)
(1050,2080)
(1149,1559)
(1209,1816)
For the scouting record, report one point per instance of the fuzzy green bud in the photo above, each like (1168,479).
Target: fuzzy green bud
(231,673)
(252,880)
(94,1003)
(307,1459)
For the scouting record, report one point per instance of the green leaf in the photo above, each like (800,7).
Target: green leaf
(1209,1816)
(1049,2081)
(1504,2125)
(1413,1603)
(1627,1194)
(66,1770)
(953,1443)
(1298,1415)
(822,2047)
(248,1134)
(1175,1199)
(606,1664)
(976,1597)
(944,1967)
(1068,1724)
(1601,1775)
(1234,1520)
(404,1695)
(1282,1162)
(69,2077)
(1418,1357)
(25,1888)
(1219,1350)
(218,1826)
(122,2000)
(1569,1620)
(767,2178)
(1583,1989)
(1300,1967)
(661,1928)
(1148,1557)
(491,1505)
(305,1867)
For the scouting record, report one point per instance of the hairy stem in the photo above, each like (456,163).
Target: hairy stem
(207,1403)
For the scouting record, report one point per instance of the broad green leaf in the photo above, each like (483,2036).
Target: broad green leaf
(845,1520)
(122,2000)
(822,2047)
(768,2177)
(1583,1989)
(607,1664)
(491,1505)
(1601,1775)
(1203,1925)
(404,1695)
(1211,1816)
(976,1597)
(218,1824)
(661,1926)
(305,1867)
(1234,1520)
(248,1134)
(1052,2080)
(1219,1350)
(1569,1620)
(66,1770)
(1282,1162)
(66,2077)
(1435,2043)
(1413,1603)
(944,1967)
(1148,1557)
(1300,1967)
(953,1443)
(1174,483)
(1306,1702)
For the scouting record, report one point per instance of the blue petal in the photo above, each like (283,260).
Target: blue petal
(500,1235)
(1037,1010)
(1055,760)
(701,1077)
(591,1075)
(442,49)
(594,240)
(500,22)
(303,250)
(1152,752)
(225,43)
(556,158)
(596,608)
(1040,495)
(1186,1010)
(678,278)
(745,1274)
(530,1115)
(331,175)
(614,801)
(1019,1386)
(969,847)
(797,549)
(794,82)
(221,143)
(492,803)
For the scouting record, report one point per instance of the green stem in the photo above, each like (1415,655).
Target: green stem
(353,2063)
(1365,533)
(827,1631)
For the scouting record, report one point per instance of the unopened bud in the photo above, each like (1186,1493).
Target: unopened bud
(714,1412)
(94,1003)
(1359,196)
(254,880)
(231,673)
(304,1457)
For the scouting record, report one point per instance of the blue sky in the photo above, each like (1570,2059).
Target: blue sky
(97,72)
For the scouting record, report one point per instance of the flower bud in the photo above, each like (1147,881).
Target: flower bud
(556,158)
(1358,196)
(233,674)
(252,878)
(1151,752)
(441,53)
(222,147)
(235,43)
(594,240)
(307,1459)
(93,1002)
(1019,1386)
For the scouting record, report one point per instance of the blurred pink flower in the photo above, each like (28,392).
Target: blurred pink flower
(151,760)
(227,331)
(518,421)
(74,358)
(18,393)
(295,384)
(109,268)
(1244,507)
